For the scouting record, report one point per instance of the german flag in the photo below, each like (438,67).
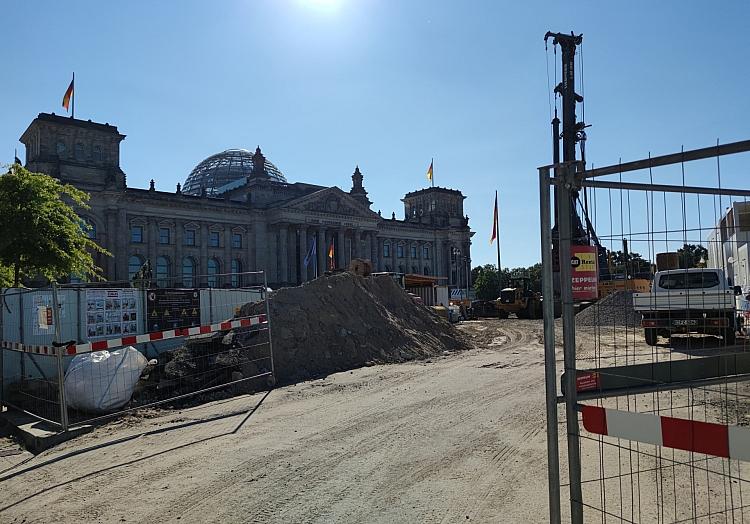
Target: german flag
(69,94)
(429,172)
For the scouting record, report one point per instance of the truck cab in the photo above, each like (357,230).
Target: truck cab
(697,300)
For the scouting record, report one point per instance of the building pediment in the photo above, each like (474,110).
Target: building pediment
(330,200)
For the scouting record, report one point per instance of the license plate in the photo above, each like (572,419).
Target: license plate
(685,322)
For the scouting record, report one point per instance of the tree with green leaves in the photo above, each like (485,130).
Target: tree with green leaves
(486,282)
(691,255)
(634,261)
(40,232)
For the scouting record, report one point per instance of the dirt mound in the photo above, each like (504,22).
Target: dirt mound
(344,321)
(613,310)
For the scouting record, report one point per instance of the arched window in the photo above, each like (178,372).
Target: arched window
(162,272)
(134,264)
(236,270)
(188,272)
(213,271)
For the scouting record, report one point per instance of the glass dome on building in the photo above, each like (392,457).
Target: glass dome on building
(225,170)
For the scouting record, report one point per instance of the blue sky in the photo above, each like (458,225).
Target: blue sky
(323,85)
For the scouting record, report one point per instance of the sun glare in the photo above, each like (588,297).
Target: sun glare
(322,4)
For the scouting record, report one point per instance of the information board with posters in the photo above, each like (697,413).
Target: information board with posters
(173,308)
(584,272)
(111,312)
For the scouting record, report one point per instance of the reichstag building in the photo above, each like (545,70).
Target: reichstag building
(236,211)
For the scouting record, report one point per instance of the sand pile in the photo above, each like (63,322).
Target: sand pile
(613,310)
(344,321)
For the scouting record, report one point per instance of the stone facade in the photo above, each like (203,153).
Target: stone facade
(263,224)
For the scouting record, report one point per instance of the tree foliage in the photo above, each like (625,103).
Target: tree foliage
(634,261)
(488,282)
(691,255)
(40,232)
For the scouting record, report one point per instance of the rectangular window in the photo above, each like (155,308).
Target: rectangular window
(697,280)
(425,252)
(164,235)
(189,238)
(413,252)
(136,234)
(236,240)
(400,251)
(213,239)
(386,250)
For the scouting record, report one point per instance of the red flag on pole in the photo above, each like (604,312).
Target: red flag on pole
(494,222)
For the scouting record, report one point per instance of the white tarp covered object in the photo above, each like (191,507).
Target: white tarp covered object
(103,381)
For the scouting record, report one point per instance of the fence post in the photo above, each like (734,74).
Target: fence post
(268,320)
(59,350)
(565,211)
(550,368)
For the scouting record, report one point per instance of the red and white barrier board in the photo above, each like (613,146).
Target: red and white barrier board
(111,343)
(17,346)
(690,435)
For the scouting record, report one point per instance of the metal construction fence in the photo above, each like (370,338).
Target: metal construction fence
(74,354)
(654,385)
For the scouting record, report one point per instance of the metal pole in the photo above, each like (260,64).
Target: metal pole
(59,350)
(569,349)
(268,319)
(550,367)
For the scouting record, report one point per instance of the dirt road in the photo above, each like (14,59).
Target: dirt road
(458,438)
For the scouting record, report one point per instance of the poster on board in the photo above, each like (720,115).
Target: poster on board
(584,272)
(173,308)
(111,312)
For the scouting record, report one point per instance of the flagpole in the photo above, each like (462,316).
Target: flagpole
(499,267)
(73,97)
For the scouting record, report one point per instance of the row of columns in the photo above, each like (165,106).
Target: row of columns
(280,249)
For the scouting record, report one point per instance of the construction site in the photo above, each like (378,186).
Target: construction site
(612,389)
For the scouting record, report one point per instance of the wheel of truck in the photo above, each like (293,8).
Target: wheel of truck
(502,314)
(651,336)
(729,337)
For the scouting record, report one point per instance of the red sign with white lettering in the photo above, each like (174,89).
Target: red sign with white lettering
(587,381)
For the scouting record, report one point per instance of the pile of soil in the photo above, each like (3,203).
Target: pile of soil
(613,310)
(343,321)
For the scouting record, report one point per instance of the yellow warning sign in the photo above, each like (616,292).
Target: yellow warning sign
(184,313)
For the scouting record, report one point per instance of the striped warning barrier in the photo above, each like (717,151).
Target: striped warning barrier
(17,346)
(690,435)
(111,343)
